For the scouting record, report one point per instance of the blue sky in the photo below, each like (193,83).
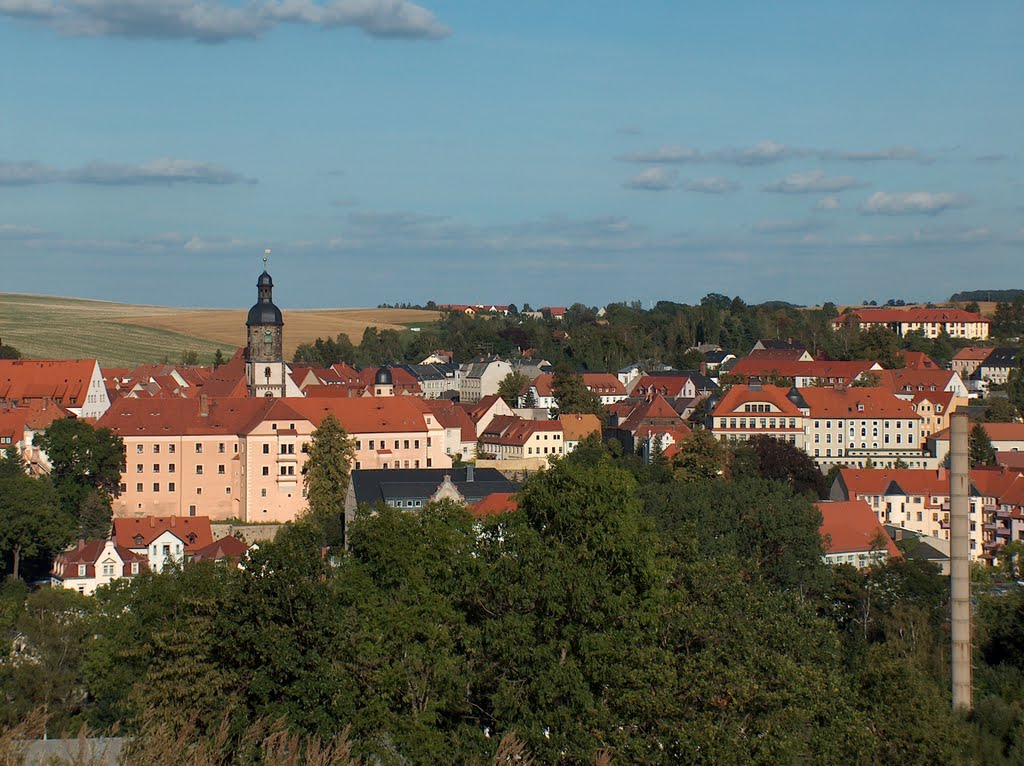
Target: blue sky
(491,152)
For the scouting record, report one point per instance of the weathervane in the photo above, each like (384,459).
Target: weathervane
(266,257)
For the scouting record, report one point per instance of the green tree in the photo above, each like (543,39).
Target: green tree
(31,522)
(573,397)
(779,460)
(326,476)
(218,358)
(9,352)
(190,356)
(702,456)
(86,461)
(999,410)
(511,386)
(980,450)
(45,673)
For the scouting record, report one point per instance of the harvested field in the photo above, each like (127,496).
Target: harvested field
(120,334)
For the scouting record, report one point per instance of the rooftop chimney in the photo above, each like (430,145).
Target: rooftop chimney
(204,405)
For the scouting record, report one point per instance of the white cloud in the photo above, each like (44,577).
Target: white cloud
(163,171)
(712,185)
(215,21)
(812,182)
(913,203)
(828,203)
(19,231)
(770,152)
(653,179)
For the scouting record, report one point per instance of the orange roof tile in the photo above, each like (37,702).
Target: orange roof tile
(857,403)
(739,395)
(576,427)
(494,504)
(64,380)
(194,531)
(852,527)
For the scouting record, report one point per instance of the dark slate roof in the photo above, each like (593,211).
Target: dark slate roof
(431,371)
(925,550)
(421,483)
(1001,357)
(777,344)
(716,357)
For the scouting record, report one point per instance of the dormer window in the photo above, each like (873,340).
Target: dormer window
(138,539)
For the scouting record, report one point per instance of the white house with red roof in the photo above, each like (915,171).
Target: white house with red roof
(607,387)
(849,426)
(19,426)
(851,534)
(956,323)
(163,540)
(755,409)
(94,563)
(512,438)
(75,384)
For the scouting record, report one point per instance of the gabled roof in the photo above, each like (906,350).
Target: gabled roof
(915,379)
(228,380)
(227,548)
(753,367)
(89,553)
(972,354)
(184,417)
(577,427)
(739,395)
(372,486)
(852,527)
(32,414)
(918,360)
(494,504)
(66,381)
(389,414)
(601,383)
(856,403)
(1001,357)
(451,415)
(193,531)
(515,431)
(651,412)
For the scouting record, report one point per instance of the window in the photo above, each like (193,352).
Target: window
(138,468)
(266,470)
(170,487)
(135,567)
(139,448)
(124,487)
(397,443)
(167,550)
(138,487)
(199,449)
(371,443)
(156,486)
(156,449)
(156,468)
(81,570)
(263,492)
(108,570)
(220,470)
(199,470)
(191,510)
(359,444)
(266,449)
(170,468)
(170,448)
(227,490)
(405,444)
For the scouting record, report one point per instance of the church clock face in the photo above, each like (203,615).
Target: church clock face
(268,337)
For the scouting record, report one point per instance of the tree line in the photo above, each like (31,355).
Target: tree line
(674,612)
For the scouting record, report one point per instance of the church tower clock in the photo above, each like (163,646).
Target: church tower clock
(265,370)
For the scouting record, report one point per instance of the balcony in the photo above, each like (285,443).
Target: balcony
(1003,532)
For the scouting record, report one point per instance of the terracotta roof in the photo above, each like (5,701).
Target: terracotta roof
(35,414)
(88,552)
(451,415)
(911,380)
(997,432)
(389,414)
(228,380)
(776,354)
(601,383)
(672,386)
(914,315)
(577,427)
(1013,460)
(972,354)
(514,431)
(856,403)
(852,527)
(65,380)
(739,395)
(226,548)
(918,360)
(148,528)
(827,370)
(655,411)
(183,417)
(494,504)
(481,408)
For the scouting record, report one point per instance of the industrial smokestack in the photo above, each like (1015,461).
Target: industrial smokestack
(959,552)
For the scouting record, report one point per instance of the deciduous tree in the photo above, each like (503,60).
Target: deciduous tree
(326,476)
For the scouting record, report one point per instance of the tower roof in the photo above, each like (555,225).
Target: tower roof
(264,312)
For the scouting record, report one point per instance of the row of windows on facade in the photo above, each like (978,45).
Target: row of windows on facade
(286,449)
(863,432)
(372,443)
(108,569)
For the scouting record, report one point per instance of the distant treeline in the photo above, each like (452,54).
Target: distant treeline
(987,295)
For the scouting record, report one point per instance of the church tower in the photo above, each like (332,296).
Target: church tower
(265,370)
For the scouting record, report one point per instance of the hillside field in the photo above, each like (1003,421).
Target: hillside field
(121,334)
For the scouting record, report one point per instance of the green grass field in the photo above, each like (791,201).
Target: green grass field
(123,335)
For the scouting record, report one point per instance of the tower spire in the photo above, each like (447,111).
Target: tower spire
(266,257)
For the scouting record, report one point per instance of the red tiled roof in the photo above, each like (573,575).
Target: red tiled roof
(972,354)
(576,427)
(856,403)
(672,386)
(852,527)
(776,354)
(226,548)
(64,380)
(652,412)
(451,415)
(88,552)
(514,431)
(739,395)
(997,432)
(826,370)
(494,504)
(388,414)
(148,528)
(601,383)
(912,380)
(228,380)
(918,360)
(913,315)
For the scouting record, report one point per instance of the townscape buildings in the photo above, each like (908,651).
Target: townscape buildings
(230,443)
